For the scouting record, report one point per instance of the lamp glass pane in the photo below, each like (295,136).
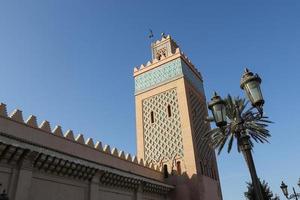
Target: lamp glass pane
(254,92)
(284,189)
(219,113)
(224,112)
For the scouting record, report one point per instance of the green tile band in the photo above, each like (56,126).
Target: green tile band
(166,73)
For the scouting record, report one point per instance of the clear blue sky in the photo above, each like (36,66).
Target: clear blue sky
(71,62)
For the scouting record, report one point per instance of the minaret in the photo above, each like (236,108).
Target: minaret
(170,121)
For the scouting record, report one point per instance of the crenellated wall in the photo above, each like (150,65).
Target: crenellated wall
(171,55)
(37,162)
(28,130)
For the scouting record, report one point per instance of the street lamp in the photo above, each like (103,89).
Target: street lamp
(250,83)
(284,189)
(217,106)
(241,123)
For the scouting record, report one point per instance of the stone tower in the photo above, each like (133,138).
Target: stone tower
(170,113)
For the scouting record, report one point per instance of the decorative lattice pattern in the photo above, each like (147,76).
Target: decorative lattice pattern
(159,75)
(204,151)
(163,137)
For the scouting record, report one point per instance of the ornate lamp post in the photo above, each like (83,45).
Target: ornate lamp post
(284,189)
(239,124)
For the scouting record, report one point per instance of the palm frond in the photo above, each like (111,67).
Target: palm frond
(211,132)
(254,124)
(230,143)
(222,143)
(266,121)
(230,111)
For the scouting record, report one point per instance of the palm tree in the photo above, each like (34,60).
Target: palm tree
(252,124)
(267,193)
(242,125)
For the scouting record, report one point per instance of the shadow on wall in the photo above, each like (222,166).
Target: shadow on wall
(196,187)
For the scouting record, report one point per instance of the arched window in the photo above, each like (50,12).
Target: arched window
(169,111)
(178,164)
(152,117)
(166,173)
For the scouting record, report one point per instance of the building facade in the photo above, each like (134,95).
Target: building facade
(173,160)
(171,111)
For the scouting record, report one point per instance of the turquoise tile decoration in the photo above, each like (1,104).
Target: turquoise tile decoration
(158,76)
(166,73)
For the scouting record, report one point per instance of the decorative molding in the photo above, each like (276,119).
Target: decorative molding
(73,168)
(61,164)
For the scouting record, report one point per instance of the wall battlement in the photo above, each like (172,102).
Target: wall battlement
(164,50)
(17,117)
(155,63)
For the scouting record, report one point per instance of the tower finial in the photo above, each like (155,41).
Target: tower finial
(150,34)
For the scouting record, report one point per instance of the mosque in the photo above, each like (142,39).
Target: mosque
(173,161)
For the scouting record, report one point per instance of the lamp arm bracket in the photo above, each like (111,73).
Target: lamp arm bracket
(293,196)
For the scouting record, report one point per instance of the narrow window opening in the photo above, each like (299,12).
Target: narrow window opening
(169,111)
(152,117)
(166,173)
(178,167)
(158,56)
